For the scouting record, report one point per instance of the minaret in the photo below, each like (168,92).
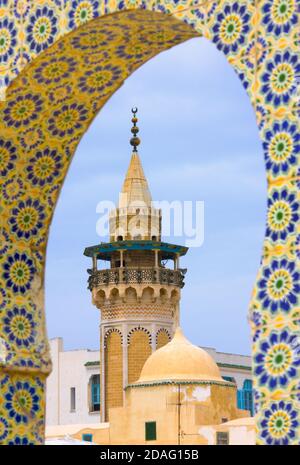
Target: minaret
(138,295)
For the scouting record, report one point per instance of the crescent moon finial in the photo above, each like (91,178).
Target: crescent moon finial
(134,141)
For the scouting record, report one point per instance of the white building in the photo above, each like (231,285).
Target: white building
(73,387)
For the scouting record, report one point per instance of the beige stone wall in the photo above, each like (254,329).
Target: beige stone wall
(220,406)
(139,349)
(148,301)
(202,408)
(155,311)
(127,425)
(113,371)
(162,338)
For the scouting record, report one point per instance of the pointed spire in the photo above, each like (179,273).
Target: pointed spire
(135,188)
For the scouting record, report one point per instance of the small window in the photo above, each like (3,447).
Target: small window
(245,400)
(87,437)
(222,438)
(95,393)
(229,378)
(150,430)
(119,238)
(72,399)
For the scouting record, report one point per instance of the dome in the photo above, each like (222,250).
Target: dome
(180,360)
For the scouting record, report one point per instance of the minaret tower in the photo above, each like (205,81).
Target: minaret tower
(138,295)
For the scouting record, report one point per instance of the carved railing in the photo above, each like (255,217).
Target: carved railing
(135,275)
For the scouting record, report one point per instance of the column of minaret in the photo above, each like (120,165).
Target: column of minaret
(137,295)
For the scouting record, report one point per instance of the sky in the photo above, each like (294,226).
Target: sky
(199,142)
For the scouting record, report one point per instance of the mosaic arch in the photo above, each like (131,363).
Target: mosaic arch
(60,61)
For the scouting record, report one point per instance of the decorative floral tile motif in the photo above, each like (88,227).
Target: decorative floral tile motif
(82,11)
(277,362)
(283,215)
(41,28)
(21,409)
(281,147)
(231,27)
(279,423)
(278,286)
(278,78)
(8,39)
(49,106)
(279,16)
(23,110)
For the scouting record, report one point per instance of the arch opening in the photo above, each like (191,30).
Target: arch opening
(48,109)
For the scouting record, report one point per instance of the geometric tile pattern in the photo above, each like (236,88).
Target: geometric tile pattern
(60,61)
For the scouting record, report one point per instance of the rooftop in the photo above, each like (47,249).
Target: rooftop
(104,250)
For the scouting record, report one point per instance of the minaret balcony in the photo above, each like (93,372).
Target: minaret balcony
(123,275)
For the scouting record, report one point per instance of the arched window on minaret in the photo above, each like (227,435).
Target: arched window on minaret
(139,349)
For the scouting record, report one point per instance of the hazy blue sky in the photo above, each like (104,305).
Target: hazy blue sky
(199,142)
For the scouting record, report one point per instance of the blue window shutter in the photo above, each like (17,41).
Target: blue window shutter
(95,392)
(248,384)
(245,400)
(240,399)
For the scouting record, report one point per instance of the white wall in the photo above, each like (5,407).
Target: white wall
(239,374)
(238,435)
(241,436)
(52,387)
(69,370)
